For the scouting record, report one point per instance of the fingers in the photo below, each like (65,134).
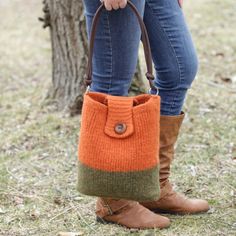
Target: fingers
(180,3)
(108,5)
(114,4)
(122,3)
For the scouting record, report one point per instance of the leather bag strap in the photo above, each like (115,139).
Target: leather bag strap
(145,41)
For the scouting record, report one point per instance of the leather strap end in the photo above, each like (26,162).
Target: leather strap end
(150,76)
(88,80)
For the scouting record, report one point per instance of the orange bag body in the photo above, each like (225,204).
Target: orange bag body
(119,163)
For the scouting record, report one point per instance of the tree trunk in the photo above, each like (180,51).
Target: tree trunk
(69,54)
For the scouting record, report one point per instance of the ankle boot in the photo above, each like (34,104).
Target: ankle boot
(170,201)
(128,213)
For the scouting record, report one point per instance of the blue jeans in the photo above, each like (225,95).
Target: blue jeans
(116,50)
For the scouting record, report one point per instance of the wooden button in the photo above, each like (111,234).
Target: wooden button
(120,128)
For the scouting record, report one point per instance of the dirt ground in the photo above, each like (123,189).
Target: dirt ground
(38,145)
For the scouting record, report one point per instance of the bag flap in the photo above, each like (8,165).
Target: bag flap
(119,123)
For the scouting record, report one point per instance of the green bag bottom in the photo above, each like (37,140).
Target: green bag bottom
(136,185)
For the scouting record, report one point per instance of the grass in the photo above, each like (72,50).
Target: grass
(38,145)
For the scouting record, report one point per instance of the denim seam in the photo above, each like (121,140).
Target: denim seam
(174,101)
(167,36)
(111,55)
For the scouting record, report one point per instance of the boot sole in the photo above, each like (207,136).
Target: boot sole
(161,211)
(102,221)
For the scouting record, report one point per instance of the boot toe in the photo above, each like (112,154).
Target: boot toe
(156,221)
(162,222)
(149,220)
(201,206)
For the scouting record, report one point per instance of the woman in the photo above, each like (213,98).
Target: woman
(114,63)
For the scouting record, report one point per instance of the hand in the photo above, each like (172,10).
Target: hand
(114,4)
(181,3)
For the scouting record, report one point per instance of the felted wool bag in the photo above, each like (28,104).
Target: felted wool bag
(119,137)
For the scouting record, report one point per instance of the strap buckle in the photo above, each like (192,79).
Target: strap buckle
(109,209)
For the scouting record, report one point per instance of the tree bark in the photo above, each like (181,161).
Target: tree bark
(69,54)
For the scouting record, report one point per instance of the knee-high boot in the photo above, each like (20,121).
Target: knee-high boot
(171,201)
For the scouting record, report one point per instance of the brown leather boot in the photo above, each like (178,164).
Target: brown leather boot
(128,213)
(170,201)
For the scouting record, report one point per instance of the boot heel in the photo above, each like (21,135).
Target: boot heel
(102,221)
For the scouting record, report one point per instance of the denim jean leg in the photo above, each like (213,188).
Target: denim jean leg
(173,53)
(116,47)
